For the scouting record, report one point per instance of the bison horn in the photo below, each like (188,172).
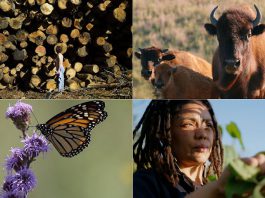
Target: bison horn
(213,20)
(256,21)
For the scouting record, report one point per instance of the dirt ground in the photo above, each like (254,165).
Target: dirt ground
(122,91)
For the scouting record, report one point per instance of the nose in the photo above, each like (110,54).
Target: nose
(232,62)
(159,84)
(146,73)
(201,133)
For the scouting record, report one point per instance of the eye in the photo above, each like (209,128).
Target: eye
(209,125)
(188,125)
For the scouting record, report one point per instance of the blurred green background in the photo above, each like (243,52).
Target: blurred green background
(103,169)
(175,24)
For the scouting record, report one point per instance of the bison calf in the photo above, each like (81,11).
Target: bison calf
(180,82)
(153,56)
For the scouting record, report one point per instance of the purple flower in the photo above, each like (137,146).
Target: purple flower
(35,144)
(13,195)
(16,161)
(23,181)
(20,114)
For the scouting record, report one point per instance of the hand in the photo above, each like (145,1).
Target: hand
(255,161)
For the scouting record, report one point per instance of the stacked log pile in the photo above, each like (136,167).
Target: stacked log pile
(95,37)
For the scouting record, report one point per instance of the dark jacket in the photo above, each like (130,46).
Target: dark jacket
(149,184)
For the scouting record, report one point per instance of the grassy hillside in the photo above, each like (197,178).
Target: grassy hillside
(175,24)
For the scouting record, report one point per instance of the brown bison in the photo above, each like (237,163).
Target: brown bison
(181,82)
(239,60)
(153,56)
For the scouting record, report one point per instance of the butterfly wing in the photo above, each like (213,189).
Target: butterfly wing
(69,131)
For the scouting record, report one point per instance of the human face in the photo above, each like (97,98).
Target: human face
(192,134)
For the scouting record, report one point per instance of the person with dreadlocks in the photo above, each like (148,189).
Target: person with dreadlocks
(178,147)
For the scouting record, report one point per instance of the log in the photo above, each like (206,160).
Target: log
(22,35)
(75,33)
(92,69)
(66,63)
(3,57)
(2,87)
(34,81)
(76,2)
(3,23)
(107,47)
(43,59)
(85,77)
(84,38)
(6,5)
(13,72)
(62,45)
(62,4)
(35,59)
(9,45)
(40,50)
(77,24)
(117,71)
(52,72)
(119,13)
(78,66)
(70,73)
(51,85)
(19,67)
(1,74)
(8,79)
(101,41)
(31,2)
(23,44)
(46,8)
(52,29)
(3,39)
(82,52)
(16,23)
(73,84)
(6,70)
(40,2)
(66,22)
(20,54)
(111,61)
(52,39)
(64,38)
(89,26)
(37,37)
(35,70)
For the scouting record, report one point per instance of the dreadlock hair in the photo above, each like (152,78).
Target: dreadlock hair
(152,149)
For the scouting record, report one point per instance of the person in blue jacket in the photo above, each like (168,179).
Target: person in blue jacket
(60,68)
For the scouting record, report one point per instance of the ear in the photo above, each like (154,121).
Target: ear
(164,50)
(210,28)
(168,57)
(259,29)
(138,55)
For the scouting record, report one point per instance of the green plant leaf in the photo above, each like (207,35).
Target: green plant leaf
(243,171)
(234,132)
(257,191)
(229,154)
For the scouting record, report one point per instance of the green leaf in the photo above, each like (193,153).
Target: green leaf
(243,171)
(229,154)
(256,192)
(237,187)
(234,132)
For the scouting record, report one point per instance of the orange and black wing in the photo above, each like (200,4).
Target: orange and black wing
(69,131)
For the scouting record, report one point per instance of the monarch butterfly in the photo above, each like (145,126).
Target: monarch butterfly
(69,131)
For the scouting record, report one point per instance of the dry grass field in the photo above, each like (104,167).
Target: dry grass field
(175,24)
